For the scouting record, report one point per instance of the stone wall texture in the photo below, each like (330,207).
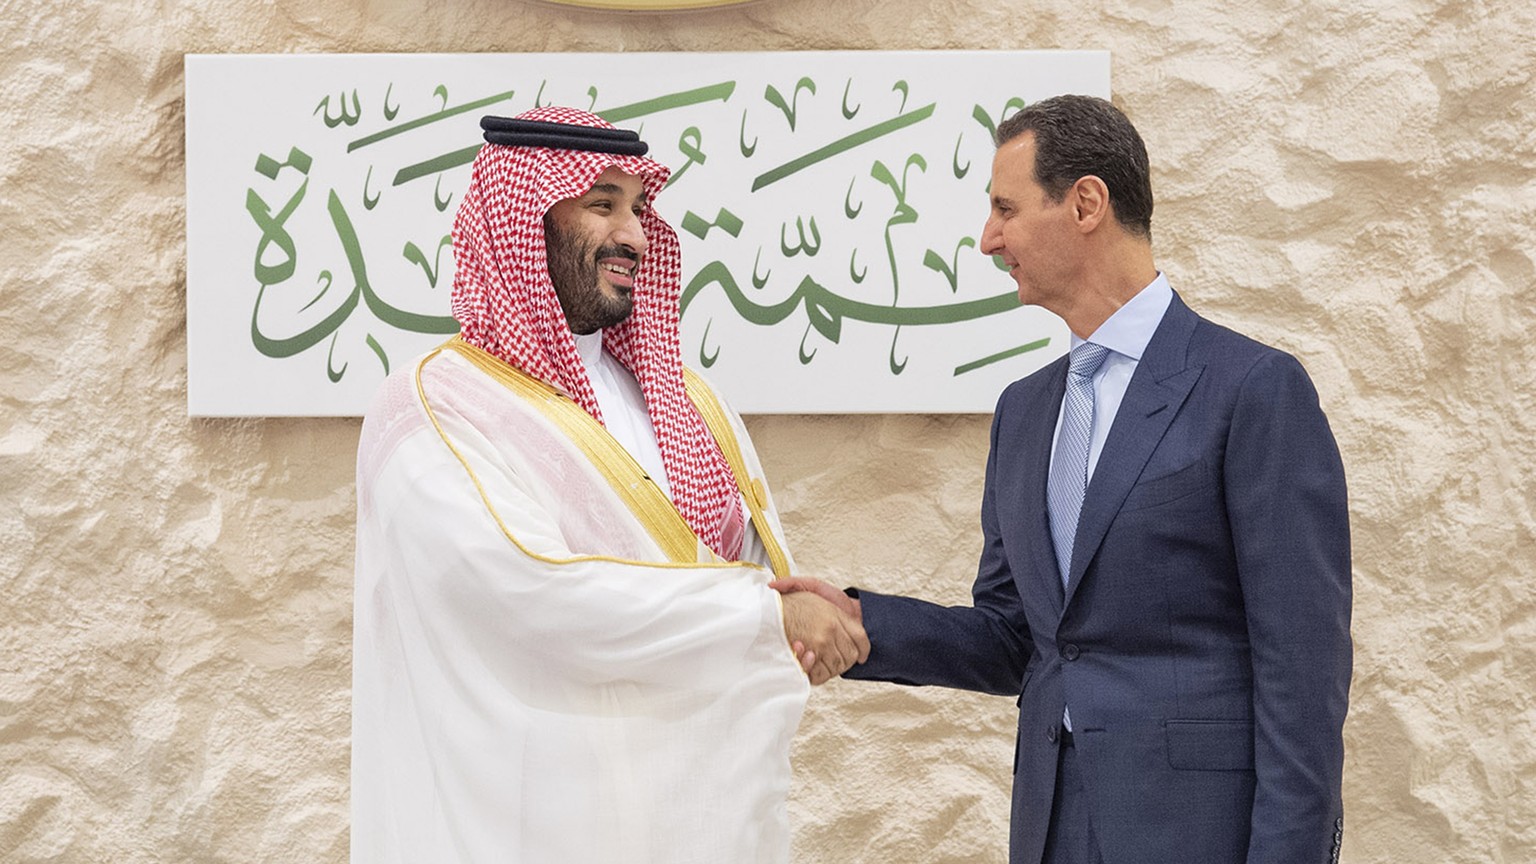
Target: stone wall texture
(1355,183)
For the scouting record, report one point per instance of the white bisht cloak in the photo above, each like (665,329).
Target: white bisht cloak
(535,679)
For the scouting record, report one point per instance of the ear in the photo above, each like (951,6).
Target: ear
(1089,197)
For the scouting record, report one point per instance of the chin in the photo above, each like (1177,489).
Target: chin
(619,313)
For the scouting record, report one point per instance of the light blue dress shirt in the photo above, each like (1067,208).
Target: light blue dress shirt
(1126,334)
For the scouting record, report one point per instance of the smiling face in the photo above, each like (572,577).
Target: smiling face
(595,245)
(1035,236)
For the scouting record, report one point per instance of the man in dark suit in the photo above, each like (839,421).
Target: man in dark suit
(1165,573)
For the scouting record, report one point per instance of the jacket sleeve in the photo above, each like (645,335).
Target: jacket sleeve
(982,647)
(1290,529)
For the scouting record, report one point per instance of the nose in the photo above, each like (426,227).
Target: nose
(631,234)
(991,238)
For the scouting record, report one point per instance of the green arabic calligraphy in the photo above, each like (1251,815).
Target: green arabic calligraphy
(826,311)
(349,117)
(810,246)
(832,309)
(842,145)
(428,119)
(690,144)
(383,311)
(466,155)
(960,171)
(276,260)
(413,254)
(746,149)
(297,159)
(985,119)
(950,269)
(370,201)
(902,214)
(1001,355)
(277,251)
(725,220)
(697,96)
(274,234)
(390,112)
(849,210)
(791,106)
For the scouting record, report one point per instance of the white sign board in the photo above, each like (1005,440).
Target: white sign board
(829,205)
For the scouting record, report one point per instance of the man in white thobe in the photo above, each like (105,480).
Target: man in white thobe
(565,649)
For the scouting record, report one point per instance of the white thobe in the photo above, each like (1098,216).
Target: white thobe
(533,679)
(623,405)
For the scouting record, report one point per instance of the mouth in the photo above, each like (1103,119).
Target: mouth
(619,267)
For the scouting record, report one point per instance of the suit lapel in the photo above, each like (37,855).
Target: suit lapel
(1161,383)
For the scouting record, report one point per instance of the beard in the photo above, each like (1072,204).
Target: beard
(590,304)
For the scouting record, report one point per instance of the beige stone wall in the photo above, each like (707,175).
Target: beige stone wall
(1353,182)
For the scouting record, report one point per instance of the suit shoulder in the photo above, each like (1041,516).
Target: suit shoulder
(1236,356)
(1249,373)
(1222,341)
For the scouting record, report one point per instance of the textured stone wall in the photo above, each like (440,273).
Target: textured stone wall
(1353,182)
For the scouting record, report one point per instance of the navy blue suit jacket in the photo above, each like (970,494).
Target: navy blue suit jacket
(1203,642)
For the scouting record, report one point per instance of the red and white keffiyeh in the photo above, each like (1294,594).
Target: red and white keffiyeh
(506,305)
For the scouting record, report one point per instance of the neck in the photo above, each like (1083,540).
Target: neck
(1107,282)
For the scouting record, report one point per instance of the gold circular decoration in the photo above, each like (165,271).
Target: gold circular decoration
(648,5)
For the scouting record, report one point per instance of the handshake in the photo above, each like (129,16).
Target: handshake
(824,627)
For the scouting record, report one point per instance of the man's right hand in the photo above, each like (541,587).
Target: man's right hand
(830,593)
(833,641)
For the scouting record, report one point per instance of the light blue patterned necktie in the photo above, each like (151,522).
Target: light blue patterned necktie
(1069,470)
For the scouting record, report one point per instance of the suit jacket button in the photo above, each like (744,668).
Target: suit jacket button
(1069,652)
(1050,734)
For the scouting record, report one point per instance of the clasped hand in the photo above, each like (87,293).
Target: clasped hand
(824,625)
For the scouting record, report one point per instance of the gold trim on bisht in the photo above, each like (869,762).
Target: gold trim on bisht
(752,488)
(630,482)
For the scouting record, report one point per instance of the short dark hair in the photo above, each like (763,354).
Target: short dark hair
(1076,136)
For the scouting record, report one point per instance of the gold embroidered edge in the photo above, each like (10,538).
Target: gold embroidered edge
(752,488)
(542,395)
